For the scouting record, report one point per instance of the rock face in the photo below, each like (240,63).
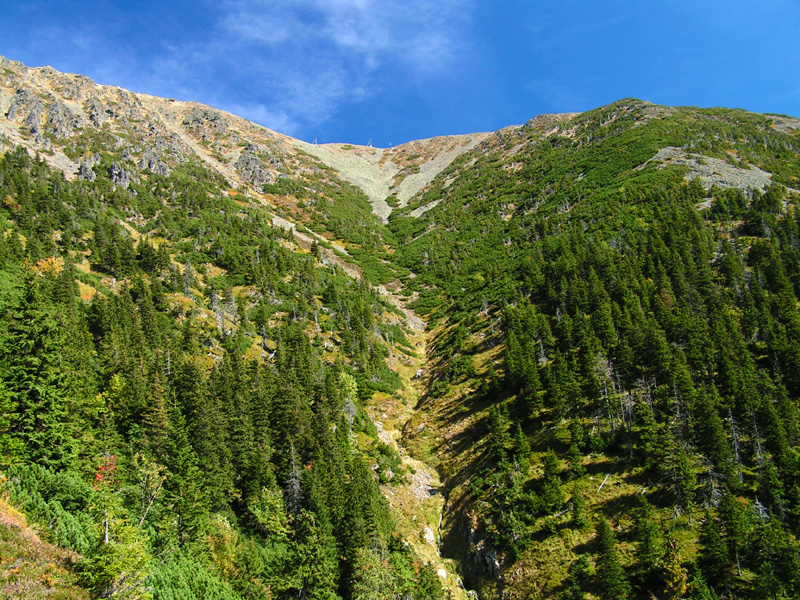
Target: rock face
(61,120)
(172,147)
(253,169)
(206,117)
(152,162)
(26,106)
(120,176)
(96,112)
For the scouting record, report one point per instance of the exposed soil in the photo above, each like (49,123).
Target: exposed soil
(402,171)
(713,171)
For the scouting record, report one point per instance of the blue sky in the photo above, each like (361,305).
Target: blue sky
(397,70)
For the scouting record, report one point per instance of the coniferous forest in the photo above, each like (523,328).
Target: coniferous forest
(637,335)
(610,391)
(188,440)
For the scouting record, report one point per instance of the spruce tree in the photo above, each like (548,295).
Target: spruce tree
(651,549)
(611,579)
(316,569)
(552,493)
(12,446)
(714,555)
(35,385)
(373,578)
(578,504)
(184,484)
(698,588)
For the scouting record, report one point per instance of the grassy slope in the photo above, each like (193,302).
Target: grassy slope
(31,568)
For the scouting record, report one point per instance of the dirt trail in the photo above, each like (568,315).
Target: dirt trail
(418,503)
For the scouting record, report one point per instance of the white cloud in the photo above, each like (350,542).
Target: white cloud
(366,28)
(278,120)
(314,55)
(290,65)
(430,53)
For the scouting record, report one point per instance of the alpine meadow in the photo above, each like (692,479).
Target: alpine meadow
(559,360)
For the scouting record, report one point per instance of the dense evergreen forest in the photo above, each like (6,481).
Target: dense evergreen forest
(181,401)
(624,337)
(611,394)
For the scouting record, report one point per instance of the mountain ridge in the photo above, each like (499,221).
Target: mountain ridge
(187,125)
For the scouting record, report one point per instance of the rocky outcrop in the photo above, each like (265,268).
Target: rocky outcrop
(713,171)
(61,120)
(85,170)
(44,110)
(252,169)
(96,112)
(172,147)
(71,87)
(119,176)
(27,107)
(152,162)
(206,117)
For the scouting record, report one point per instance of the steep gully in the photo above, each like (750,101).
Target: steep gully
(417,498)
(419,502)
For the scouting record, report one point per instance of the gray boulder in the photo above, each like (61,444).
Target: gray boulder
(85,171)
(97,114)
(28,107)
(61,119)
(120,176)
(152,162)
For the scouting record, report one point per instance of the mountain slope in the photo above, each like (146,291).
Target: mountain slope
(593,283)
(395,174)
(45,108)
(183,386)
(609,389)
